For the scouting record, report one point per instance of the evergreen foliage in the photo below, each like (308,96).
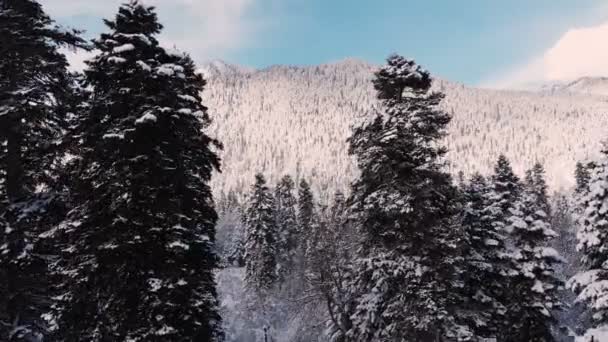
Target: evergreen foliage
(139,247)
(261,241)
(590,282)
(285,216)
(582,176)
(506,185)
(35,93)
(485,283)
(535,286)
(305,208)
(405,205)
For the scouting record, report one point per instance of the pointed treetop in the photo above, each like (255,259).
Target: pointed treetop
(284,188)
(537,188)
(503,170)
(477,182)
(475,190)
(582,176)
(535,177)
(503,164)
(136,17)
(538,174)
(260,179)
(304,184)
(398,75)
(477,178)
(286,181)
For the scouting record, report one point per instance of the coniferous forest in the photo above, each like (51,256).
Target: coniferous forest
(110,229)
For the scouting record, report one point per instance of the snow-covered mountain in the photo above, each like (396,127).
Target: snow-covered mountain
(585,85)
(295,120)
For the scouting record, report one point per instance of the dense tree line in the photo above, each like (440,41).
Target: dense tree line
(108,221)
(107,218)
(413,255)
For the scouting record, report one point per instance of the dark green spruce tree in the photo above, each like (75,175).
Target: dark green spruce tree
(535,183)
(506,186)
(534,292)
(306,221)
(406,206)
(34,85)
(285,213)
(582,176)
(592,215)
(306,207)
(139,255)
(261,239)
(485,261)
(35,89)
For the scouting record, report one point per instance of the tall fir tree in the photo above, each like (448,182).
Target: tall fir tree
(405,204)
(485,261)
(306,222)
(506,185)
(261,239)
(285,214)
(34,85)
(306,207)
(139,255)
(535,286)
(536,184)
(35,89)
(505,191)
(582,175)
(590,283)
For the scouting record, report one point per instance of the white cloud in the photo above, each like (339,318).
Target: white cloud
(579,52)
(207,29)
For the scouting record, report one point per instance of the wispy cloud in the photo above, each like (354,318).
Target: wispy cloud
(208,29)
(579,52)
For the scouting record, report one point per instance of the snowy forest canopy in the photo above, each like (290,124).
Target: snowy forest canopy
(109,229)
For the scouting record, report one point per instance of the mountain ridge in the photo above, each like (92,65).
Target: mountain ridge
(296,119)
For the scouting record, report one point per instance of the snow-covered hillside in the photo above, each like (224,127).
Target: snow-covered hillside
(585,85)
(296,120)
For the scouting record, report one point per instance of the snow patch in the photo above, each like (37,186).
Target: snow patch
(116,60)
(113,136)
(124,48)
(155,284)
(143,66)
(146,118)
(178,244)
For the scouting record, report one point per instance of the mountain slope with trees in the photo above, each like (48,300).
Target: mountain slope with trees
(295,120)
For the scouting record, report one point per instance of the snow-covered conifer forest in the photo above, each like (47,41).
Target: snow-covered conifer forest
(148,198)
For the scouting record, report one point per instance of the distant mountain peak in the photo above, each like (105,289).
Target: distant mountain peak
(588,85)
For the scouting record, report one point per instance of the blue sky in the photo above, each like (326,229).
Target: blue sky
(471,41)
(459,40)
